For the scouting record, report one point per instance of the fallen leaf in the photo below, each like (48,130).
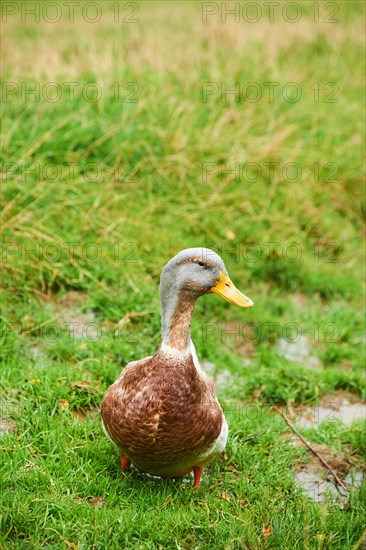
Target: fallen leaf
(93,411)
(266,531)
(230,235)
(79,415)
(64,404)
(71,545)
(96,501)
(320,537)
(232,468)
(226,496)
(32,451)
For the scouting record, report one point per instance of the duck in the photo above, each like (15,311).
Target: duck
(162,413)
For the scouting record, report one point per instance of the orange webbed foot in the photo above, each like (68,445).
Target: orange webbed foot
(197,472)
(125,463)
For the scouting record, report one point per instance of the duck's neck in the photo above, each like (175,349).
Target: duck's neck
(176,317)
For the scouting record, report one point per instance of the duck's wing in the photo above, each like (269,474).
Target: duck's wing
(118,399)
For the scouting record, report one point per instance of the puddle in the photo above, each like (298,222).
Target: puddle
(315,486)
(343,407)
(314,479)
(221,377)
(299,352)
(317,482)
(6,426)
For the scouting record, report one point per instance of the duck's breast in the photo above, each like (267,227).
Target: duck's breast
(162,412)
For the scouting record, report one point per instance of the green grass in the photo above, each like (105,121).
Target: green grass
(128,181)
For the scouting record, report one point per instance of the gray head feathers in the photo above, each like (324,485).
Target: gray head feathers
(189,275)
(195,254)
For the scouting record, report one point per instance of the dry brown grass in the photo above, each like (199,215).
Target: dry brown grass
(166,38)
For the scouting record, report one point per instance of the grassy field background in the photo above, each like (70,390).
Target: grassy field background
(120,148)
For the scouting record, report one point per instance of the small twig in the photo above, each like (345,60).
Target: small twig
(322,460)
(40,325)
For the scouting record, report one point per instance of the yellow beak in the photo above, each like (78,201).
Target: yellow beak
(226,289)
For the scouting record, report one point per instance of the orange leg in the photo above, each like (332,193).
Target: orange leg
(125,463)
(197,471)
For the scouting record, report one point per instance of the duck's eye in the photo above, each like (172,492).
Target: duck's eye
(201,264)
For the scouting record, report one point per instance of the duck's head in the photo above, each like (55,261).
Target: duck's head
(198,271)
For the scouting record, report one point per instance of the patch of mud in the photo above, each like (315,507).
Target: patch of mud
(69,312)
(300,299)
(9,407)
(342,407)
(6,425)
(316,487)
(66,317)
(335,460)
(299,352)
(346,366)
(71,299)
(317,482)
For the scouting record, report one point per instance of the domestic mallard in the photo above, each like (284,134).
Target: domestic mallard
(162,412)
